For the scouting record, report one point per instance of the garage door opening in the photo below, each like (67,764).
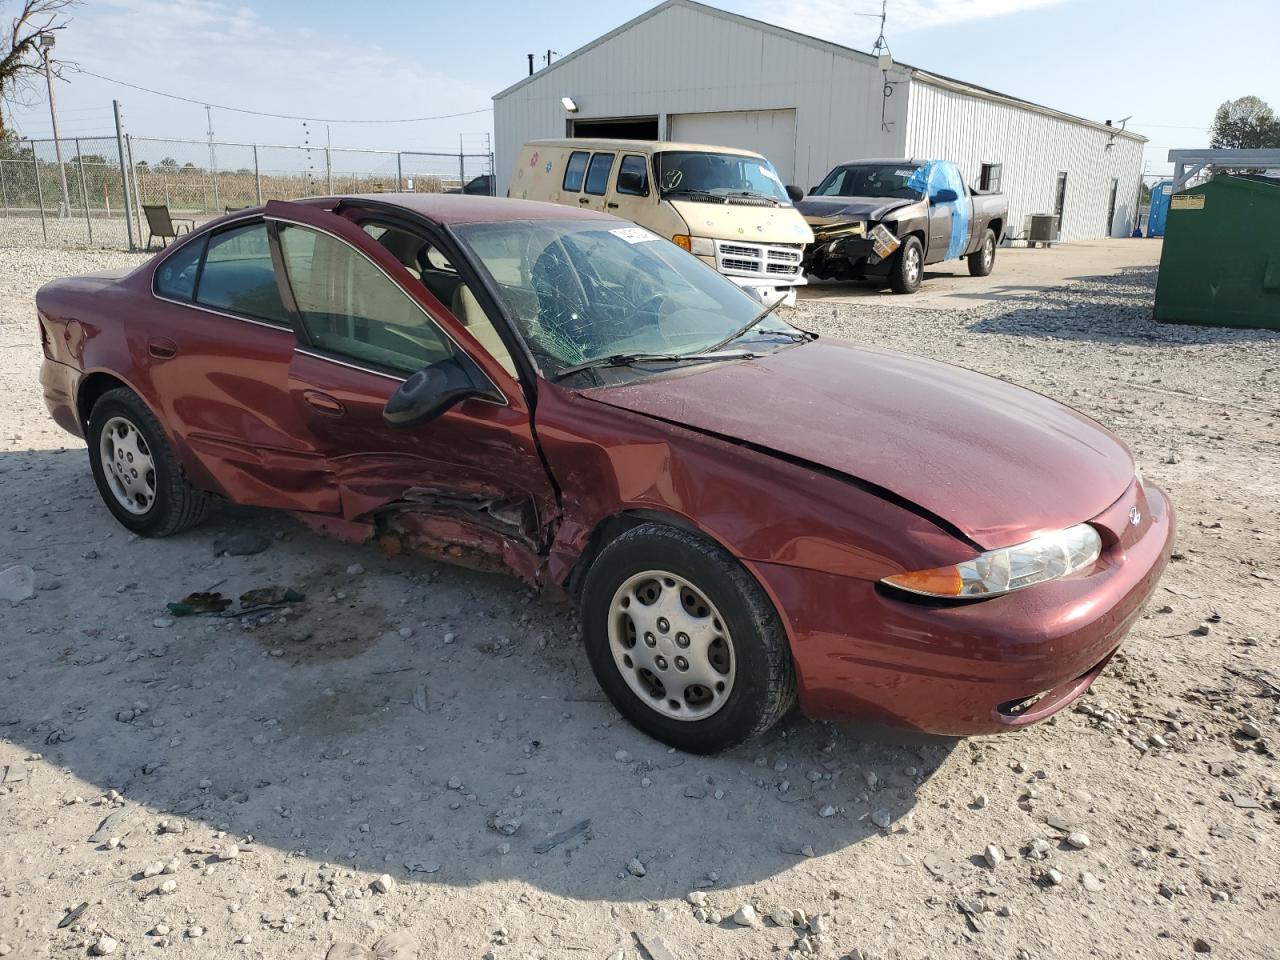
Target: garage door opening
(617,128)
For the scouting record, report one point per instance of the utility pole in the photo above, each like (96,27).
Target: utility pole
(47,41)
(124,174)
(213,158)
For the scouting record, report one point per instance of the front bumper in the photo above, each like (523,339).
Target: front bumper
(865,653)
(771,291)
(844,258)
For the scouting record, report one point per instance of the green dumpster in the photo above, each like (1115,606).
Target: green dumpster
(1220,265)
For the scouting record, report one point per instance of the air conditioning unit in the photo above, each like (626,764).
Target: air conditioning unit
(1042,228)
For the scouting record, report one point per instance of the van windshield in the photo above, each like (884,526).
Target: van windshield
(870,180)
(718,177)
(580,290)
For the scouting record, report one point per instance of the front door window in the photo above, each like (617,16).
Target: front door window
(350,308)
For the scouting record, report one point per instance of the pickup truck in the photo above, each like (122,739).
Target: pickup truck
(887,219)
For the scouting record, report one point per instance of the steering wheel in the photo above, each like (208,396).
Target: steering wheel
(671,178)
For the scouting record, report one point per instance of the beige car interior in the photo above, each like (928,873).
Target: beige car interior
(437,274)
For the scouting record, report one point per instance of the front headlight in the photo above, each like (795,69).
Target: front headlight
(856,228)
(1045,558)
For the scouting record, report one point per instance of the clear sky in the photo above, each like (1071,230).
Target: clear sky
(1168,63)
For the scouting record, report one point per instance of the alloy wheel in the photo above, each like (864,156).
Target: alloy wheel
(671,645)
(128,466)
(913,265)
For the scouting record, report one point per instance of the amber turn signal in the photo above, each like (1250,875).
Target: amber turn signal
(940,582)
(682,241)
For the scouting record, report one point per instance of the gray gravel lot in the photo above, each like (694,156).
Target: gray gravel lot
(280,766)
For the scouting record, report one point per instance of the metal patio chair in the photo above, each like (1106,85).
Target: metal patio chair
(161,224)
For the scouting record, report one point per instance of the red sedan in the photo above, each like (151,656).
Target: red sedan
(747,513)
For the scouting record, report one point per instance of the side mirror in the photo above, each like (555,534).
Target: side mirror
(434,390)
(795,193)
(945,196)
(812,191)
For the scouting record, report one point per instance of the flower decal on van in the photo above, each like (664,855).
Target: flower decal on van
(533,161)
(547,168)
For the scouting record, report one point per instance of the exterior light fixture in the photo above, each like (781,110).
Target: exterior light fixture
(569,104)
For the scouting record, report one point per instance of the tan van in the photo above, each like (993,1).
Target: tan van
(726,206)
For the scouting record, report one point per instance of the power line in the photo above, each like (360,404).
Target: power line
(263,113)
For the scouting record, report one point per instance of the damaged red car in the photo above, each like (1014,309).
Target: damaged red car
(748,514)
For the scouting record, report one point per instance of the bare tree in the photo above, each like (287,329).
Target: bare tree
(21,61)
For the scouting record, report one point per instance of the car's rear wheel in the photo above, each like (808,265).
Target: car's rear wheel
(908,268)
(983,260)
(684,641)
(137,474)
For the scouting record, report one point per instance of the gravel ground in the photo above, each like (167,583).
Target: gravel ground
(418,748)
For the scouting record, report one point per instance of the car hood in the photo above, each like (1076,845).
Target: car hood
(1000,463)
(740,221)
(825,210)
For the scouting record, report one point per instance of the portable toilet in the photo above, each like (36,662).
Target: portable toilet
(1159,214)
(1220,265)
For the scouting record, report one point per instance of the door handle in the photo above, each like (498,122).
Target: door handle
(323,403)
(162,349)
(612,206)
(584,200)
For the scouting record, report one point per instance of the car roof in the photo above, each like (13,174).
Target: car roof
(885,161)
(639,146)
(463,208)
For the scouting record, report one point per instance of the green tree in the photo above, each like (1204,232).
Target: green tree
(21,59)
(1244,124)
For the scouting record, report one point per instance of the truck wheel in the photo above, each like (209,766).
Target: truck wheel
(137,474)
(908,269)
(984,258)
(684,641)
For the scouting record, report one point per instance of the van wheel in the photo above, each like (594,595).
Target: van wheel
(982,260)
(137,474)
(908,268)
(684,641)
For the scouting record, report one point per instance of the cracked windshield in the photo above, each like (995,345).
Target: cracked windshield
(579,291)
(718,178)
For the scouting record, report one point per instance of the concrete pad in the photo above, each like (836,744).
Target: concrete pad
(1018,272)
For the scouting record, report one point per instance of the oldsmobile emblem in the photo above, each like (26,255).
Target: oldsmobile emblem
(1135,516)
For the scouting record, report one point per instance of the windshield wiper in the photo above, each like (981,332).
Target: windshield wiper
(755,321)
(627,359)
(690,192)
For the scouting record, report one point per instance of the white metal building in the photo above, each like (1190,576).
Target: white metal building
(690,72)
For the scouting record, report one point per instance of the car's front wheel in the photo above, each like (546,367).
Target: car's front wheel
(684,641)
(908,269)
(137,474)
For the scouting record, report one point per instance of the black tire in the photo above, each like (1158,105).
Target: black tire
(983,260)
(764,685)
(908,267)
(176,504)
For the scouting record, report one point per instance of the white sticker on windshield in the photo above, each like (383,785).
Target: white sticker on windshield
(904,173)
(634,234)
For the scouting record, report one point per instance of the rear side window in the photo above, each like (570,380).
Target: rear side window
(176,276)
(598,173)
(633,176)
(573,172)
(238,275)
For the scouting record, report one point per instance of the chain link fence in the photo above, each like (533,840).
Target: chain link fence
(78,192)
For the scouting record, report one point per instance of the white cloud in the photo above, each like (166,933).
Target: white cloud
(229,54)
(839,20)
